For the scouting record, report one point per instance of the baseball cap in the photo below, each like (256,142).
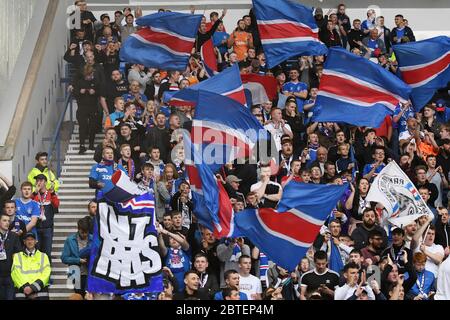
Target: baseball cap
(30,234)
(398,231)
(318,11)
(105,15)
(40,177)
(232,178)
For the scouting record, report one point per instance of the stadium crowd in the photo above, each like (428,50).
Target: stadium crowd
(124,102)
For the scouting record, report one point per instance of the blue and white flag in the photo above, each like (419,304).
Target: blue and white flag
(425,66)
(125,254)
(165,41)
(285,234)
(398,195)
(287,29)
(357,91)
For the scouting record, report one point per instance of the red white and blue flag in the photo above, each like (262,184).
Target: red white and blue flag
(209,58)
(165,41)
(357,91)
(224,130)
(285,234)
(425,66)
(287,29)
(227,83)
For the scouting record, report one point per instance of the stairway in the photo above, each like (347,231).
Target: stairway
(74,194)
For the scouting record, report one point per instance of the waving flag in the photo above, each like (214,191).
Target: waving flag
(424,65)
(400,198)
(124,255)
(335,262)
(227,83)
(203,185)
(262,88)
(287,29)
(165,41)
(357,91)
(209,58)
(285,235)
(224,129)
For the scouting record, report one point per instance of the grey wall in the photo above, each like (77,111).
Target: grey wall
(43,109)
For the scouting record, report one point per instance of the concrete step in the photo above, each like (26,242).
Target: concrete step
(69,216)
(59,239)
(65,231)
(84,173)
(75,197)
(65,224)
(69,191)
(59,295)
(78,157)
(74,185)
(78,162)
(75,139)
(72,210)
(74,150)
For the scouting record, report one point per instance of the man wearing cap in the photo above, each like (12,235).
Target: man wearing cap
(286,157)
(443,157)
(48,203)
(398,252)
(231,185)
(42,168)
(31,271)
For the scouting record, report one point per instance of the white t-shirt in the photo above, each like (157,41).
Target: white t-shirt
(430,265)
(277,133)
(250,285)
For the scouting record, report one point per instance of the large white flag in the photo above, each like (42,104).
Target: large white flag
(401,199)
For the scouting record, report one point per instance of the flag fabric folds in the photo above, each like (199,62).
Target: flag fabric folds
(227,83)
(400,198)
(287,29)
(425,66)
(262,88)
(224,129)
(357,91)
(285,234)
(125,254)
(209,58)
(165,41)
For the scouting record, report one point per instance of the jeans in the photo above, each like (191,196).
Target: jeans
(45,237)
(6,288)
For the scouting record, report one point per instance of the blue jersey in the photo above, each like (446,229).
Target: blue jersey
(369,167)
(218,37)
(129,97)
(25,211)
(409,113)
(179,262)
(424,283)
(103,173)
(296,87)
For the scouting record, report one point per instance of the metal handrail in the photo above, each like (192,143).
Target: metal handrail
(56,138)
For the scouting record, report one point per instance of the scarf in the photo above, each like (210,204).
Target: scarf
(108,162)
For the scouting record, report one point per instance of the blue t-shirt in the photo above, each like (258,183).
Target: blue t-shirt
(115,116)
(179,262)
(129,97)
(103,173)
(219,296)
(296,87)
(369,167)
(428,282)
(25,211)
(400,34)
(218,37)
(409,113)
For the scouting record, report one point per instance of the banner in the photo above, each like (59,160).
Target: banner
(125,254)
(401,199)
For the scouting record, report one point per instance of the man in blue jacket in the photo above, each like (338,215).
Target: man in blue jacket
(76,252)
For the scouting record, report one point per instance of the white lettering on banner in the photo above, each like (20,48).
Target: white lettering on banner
(126,255)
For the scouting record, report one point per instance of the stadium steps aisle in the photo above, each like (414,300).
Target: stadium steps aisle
(74,194)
